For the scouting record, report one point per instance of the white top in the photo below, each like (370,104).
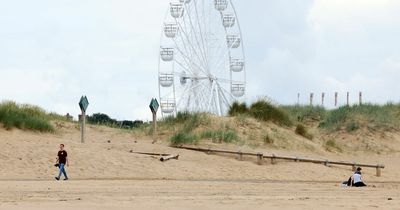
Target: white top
(357,178)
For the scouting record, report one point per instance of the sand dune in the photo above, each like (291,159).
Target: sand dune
(107,175)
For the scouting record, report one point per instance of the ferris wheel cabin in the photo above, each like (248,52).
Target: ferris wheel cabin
(233,41)
(228,20)
(221,5)
(167,106)
(167,53)
(177,10)
(166,80)
(170,30)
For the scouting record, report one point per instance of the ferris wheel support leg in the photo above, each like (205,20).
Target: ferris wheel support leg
(219,104)
(211,97)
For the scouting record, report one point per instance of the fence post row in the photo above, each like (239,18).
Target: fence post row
(273,157)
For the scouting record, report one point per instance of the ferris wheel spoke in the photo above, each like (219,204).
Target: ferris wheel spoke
(188,61)
(192,48)
(205,96)
(196,38)
(228,80)
(183,66)
(224,99)
(189,34)
(220,50)
(227,92)
(201,34)
(186,55)
(221,62)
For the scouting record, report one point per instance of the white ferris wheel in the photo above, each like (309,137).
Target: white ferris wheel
(201,61)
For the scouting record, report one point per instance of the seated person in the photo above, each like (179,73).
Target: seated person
(356,179)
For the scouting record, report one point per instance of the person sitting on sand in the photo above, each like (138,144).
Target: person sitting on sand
(62,160)
(356,179)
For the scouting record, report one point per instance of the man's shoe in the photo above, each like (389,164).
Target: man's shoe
(65,179)
(57,178)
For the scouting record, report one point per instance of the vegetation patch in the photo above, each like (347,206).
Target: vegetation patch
(332,146)
(301,113)
(262,110)
(303,131)
(25,117)
(184,138)
(267,139)
(353,117)
(227,136)
(187,122)
(238,109)
(266,111)
(104,119)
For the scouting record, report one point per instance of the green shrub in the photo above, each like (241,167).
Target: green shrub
(332,146)
(302,131)
(24,117)
(349,117)
(300,113)
(352,126)
(264,110)
(237,109)
(220,135)
(180,117)
(183,138)
(190,121)
(268,140)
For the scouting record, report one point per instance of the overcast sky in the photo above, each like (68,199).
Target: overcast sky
(54,51)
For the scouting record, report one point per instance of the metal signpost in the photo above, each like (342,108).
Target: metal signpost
(154,107)
(83,104)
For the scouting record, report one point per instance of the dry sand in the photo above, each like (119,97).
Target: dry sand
(173,195)
(107,176)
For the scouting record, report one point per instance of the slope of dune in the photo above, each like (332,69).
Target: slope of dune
(109,154)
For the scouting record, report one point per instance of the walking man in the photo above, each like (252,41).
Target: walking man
(62,160)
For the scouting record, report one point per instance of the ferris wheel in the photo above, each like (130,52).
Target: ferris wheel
(201,60)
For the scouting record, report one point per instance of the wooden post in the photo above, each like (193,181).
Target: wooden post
(322,99)
(273,159)
(83,104)
(378,170)
(298,98)
(354,167)
(336,98)
(260,157)
(360,98)
(348,99)
(311,98)
(154,126)
(83,124)
(326,163)
(240,155)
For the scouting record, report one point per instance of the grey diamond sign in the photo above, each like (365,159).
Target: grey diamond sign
(154,105)
(83,103)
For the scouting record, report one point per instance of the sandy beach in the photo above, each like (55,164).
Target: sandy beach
(194,194)
(105,173)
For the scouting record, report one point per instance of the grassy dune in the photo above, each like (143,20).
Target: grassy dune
(24,116)
(259,124)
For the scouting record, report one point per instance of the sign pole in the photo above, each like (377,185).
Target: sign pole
(154,126)
(83,124)
(154,107)
(83,104)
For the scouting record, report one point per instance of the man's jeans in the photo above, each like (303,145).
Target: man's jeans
(62,171)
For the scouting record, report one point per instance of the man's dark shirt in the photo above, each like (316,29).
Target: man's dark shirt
(62,157)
